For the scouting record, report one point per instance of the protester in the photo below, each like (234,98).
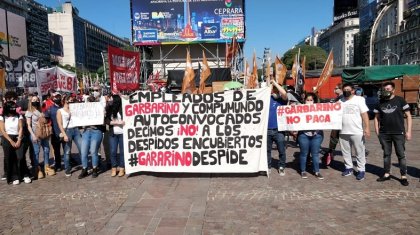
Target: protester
(68,133)
(56,143)
(334,135)
(11,128)
(49,100)
(115,121)
(354,130)
(32,117)
(310,142)
(91,140)
(278,97)
(389,126)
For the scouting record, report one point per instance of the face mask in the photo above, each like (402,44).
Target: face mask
(36,104)
(346,93)
(309,102)
(57,101)
(96,94)
(386,95)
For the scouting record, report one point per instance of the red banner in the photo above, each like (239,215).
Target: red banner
(124,69)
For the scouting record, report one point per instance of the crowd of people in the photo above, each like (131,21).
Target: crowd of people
(389,126)
(24,128)
(27,125)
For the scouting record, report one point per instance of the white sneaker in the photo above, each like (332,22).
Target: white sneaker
(15,182)
(281,171)
(27,180)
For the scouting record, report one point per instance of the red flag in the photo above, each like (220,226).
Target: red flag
(124,69)
(188,83)
(204,74)
(253,79)
(231,51)
(326,72)
(295,68)
(281,71)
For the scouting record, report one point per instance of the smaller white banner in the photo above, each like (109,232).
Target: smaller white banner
(66,81)
(86,114)
(321,116)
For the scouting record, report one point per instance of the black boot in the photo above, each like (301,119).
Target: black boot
(94,172)
(83,174)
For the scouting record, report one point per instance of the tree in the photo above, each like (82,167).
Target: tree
(315,57)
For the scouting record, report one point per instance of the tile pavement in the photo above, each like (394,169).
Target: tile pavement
(157,203)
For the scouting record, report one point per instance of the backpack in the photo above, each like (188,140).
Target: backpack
(43,128)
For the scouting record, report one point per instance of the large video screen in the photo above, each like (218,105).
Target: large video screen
(187,21)
(56,44)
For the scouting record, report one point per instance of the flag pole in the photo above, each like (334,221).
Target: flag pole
(297,70)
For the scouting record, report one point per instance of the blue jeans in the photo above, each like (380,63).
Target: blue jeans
(46,149)
(115,142)
(278,138)
(72,134)
(91,140)
(398,140)
(310,144)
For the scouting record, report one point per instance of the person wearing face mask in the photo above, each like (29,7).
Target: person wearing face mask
(32,117)
(11,128)
(278,98)
(389,126)
(354,130)
(51,114)
(68,132)
(310,142)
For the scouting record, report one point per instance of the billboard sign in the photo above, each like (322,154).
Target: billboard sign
(344,9)
(16,35)
(187,21)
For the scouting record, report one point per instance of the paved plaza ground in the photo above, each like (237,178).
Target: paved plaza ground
(156,203)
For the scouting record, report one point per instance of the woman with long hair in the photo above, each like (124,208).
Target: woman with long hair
(310,142)
(67,132)
(11,127)
(33,115)
(91,141)
(114,119)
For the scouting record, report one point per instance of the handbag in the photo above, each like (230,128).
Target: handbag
(61,135)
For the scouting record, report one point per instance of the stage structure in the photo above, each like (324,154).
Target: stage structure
(164,30)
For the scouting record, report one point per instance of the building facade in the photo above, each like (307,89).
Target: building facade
(340,39)
(83,41)
(36,19)
(397,35)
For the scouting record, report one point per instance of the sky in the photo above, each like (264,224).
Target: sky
(276,24)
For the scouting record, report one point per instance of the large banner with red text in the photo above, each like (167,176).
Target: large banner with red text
(219,132)
(320,116)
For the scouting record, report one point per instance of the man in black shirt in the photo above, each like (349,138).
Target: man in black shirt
(389,126)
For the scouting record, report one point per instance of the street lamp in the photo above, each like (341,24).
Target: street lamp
(389,53)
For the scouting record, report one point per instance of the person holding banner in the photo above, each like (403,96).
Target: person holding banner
(278,98)
(32,116)
(354,130)
(310,143)
(114,119)
(68,132)
(334,135)
(91,141)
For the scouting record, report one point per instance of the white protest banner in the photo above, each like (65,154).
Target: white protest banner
(66,81)
(320,116)
(219,132)
(86,114)
(46,79)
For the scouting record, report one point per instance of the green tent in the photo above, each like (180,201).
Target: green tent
(378,73)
